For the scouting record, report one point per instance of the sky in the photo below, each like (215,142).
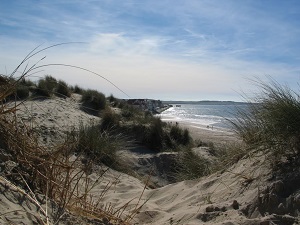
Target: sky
(156,49)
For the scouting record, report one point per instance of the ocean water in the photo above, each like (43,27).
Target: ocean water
(212,115)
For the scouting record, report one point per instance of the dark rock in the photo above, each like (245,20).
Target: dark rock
(210,208)
(223,209)
(217,208)
(235,204)
(207,216)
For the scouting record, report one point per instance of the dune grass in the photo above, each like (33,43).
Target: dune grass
(158,135)
(62,89)
(109,120)
(46,86)
(189,165)
(78,90)
(98,145)
(53,173)
(93,101)
(272,122)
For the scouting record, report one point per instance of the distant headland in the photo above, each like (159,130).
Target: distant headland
(204,102)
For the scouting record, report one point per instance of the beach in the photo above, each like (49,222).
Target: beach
(228,197)
(205,133)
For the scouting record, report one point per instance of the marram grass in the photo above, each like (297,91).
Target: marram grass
(50,172)
(272,122)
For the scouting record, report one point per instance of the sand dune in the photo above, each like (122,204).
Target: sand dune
(246,193)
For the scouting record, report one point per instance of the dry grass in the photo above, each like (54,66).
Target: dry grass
(54,173)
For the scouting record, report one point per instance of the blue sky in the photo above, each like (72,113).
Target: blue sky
(161,49)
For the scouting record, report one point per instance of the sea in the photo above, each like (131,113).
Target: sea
(212,115)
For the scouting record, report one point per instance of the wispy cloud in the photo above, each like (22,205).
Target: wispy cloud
(195,48)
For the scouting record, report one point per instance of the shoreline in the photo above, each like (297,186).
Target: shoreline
(217,135)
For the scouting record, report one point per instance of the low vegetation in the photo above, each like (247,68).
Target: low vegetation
(77,90)
(150,130)
(93,101)
(110,120)
(98,146)
(272,122)
(46,86)
(228,155)
(20,89)
(62,89)
(21,92)
(189,165)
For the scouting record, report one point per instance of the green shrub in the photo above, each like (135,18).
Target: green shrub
(27,82)
(112,98)
(114,102)
(176,132)
(78,90)
(122,104)
(22,92)
(186,137)
(272,122)
(180,136)
(189,165)
(151,134)
(46,86)
(228,155)
(98,145)
(109,120)
(129,112)
(155,134)
(126,113)
(62,89)
(93,100)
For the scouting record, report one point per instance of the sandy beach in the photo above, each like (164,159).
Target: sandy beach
(216,135)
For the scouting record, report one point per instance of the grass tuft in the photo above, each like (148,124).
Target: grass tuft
(110,120)
(189,165)
(98,145)
(46,86)
(93,101)
(272,122)
(78,90)
(62,89)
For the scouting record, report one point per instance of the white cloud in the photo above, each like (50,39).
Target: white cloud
(206,48)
